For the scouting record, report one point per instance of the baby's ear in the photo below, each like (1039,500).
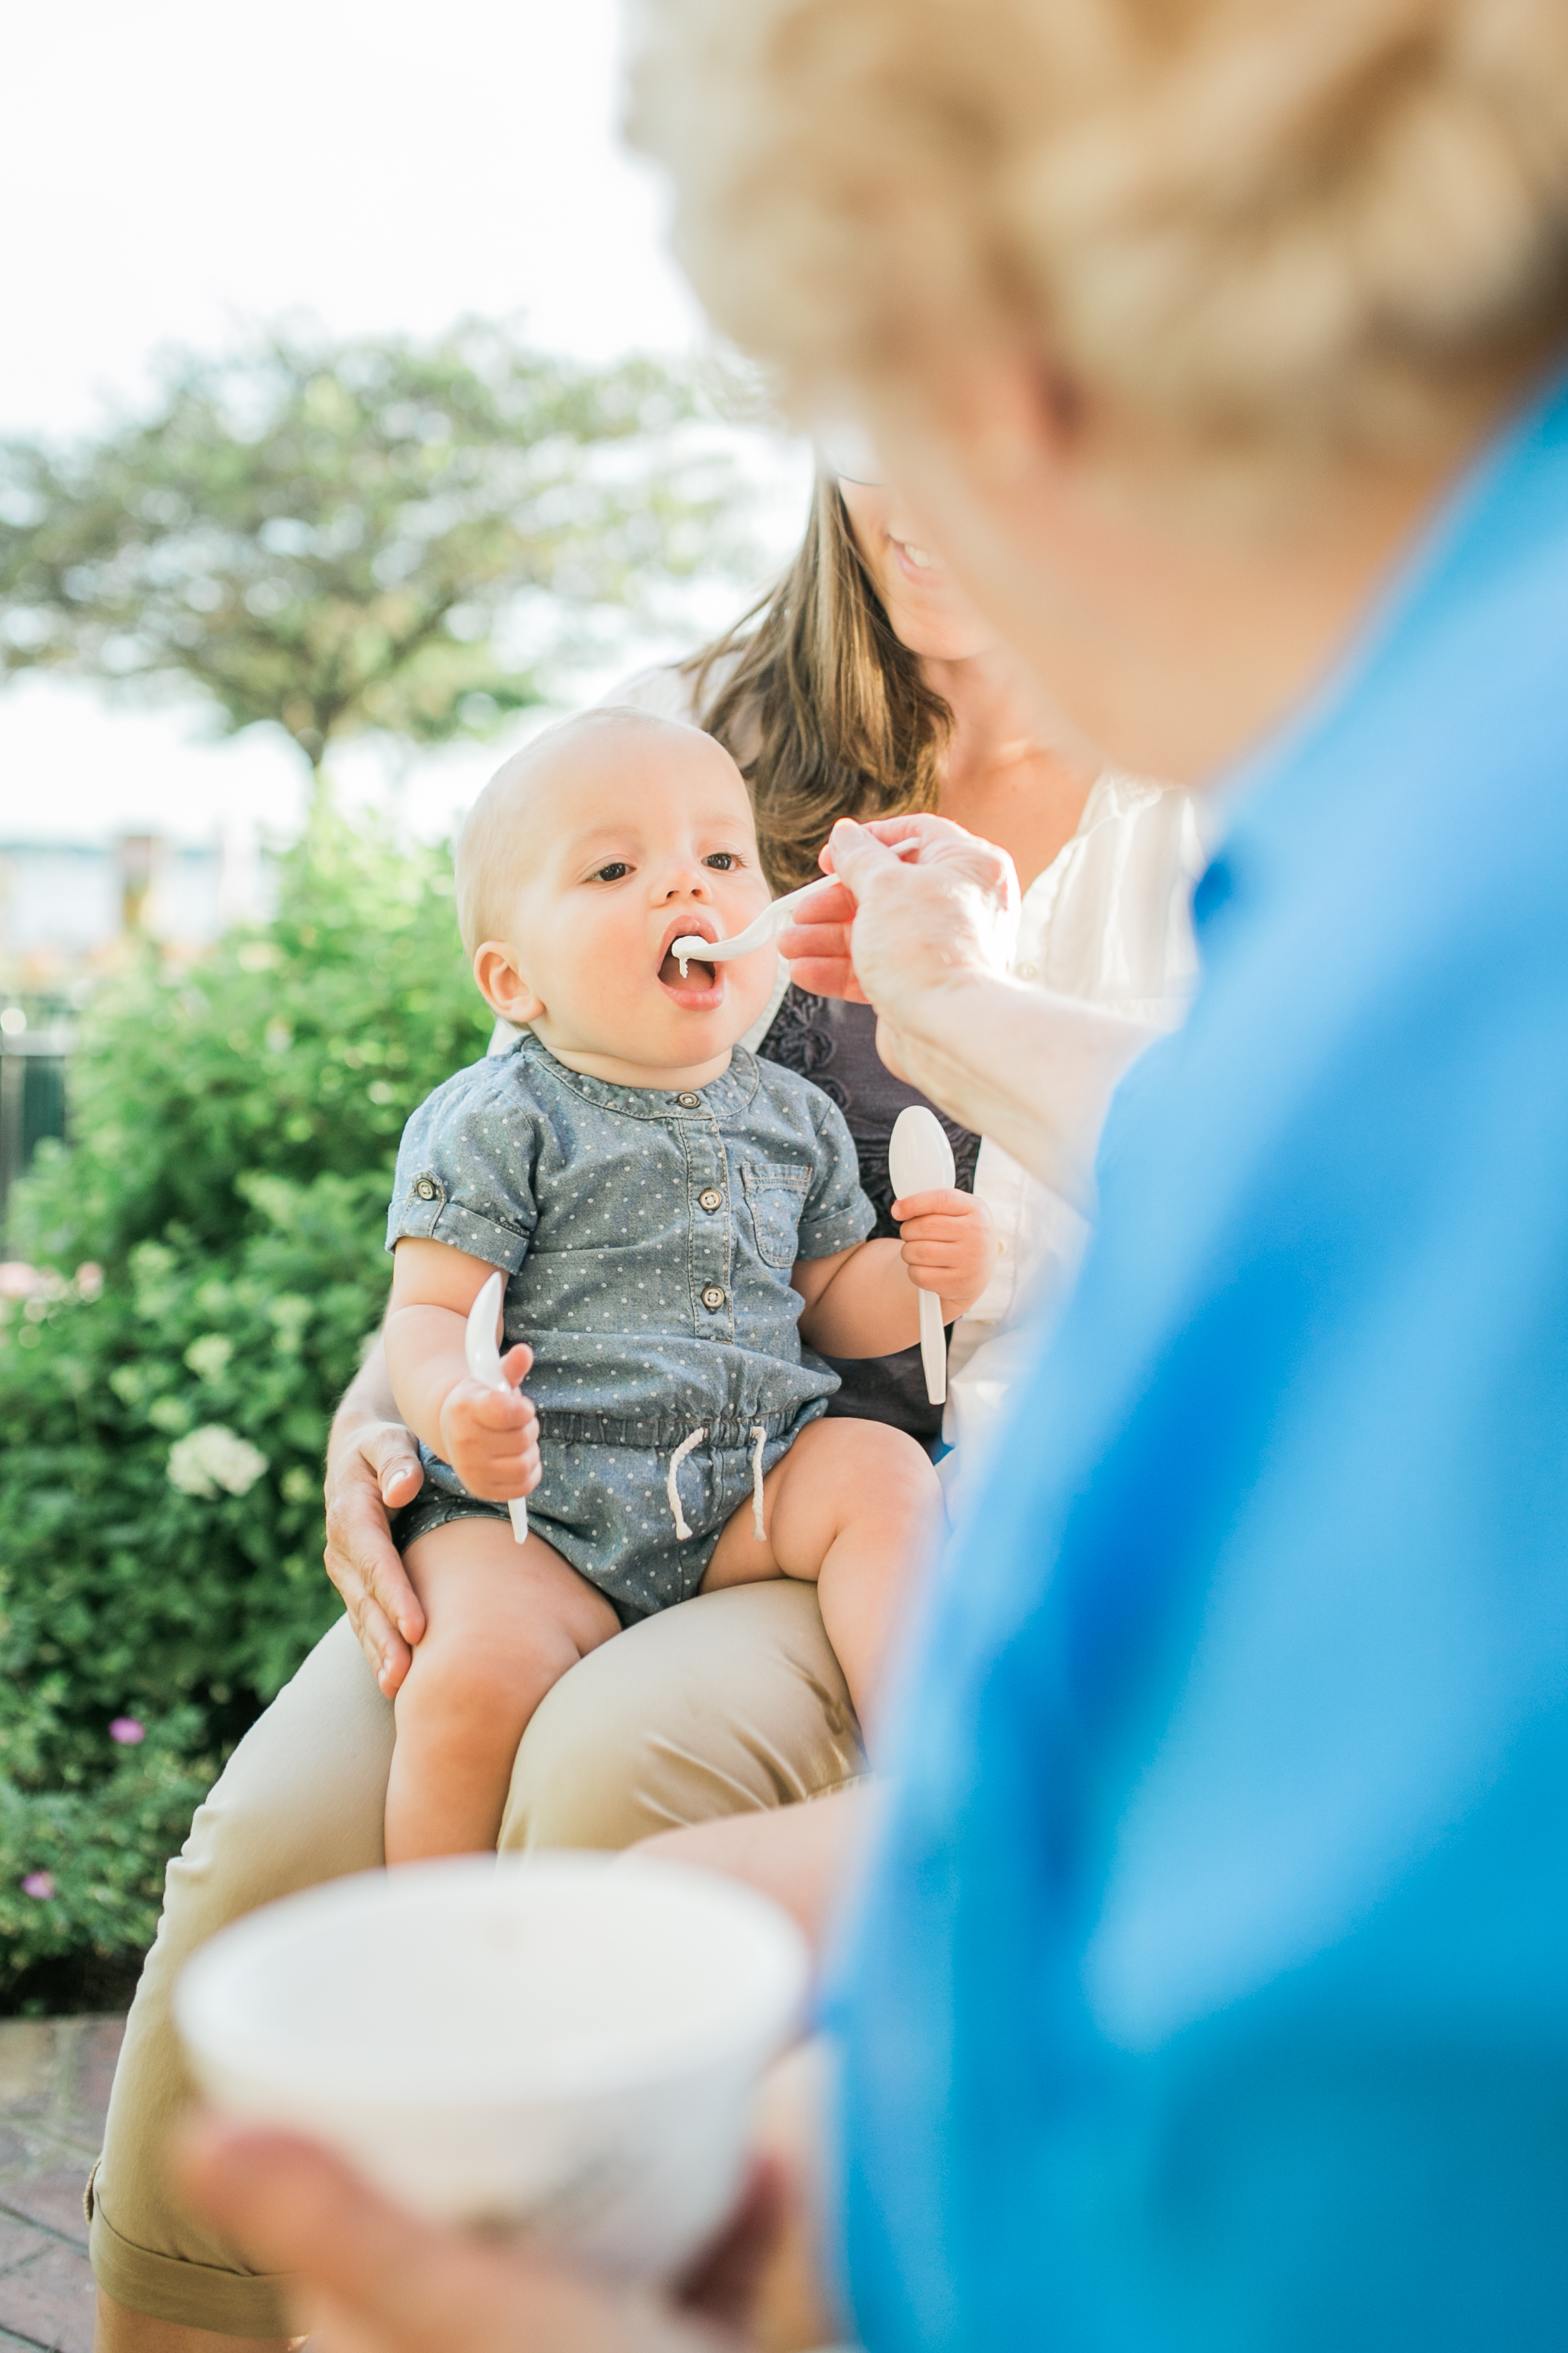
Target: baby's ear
(503,988)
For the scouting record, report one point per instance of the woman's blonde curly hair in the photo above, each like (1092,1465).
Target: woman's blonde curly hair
(1248,221)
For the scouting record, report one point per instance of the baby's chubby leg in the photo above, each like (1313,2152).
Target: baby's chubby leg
(849,1509)
(503,1621)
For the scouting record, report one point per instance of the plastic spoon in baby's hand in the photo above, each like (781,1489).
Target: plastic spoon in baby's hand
(691,948)
(920,1160)
(484,1364)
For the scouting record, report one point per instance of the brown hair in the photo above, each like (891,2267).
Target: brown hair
(821,706)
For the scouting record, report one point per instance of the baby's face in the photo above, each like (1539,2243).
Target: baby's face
(636,836)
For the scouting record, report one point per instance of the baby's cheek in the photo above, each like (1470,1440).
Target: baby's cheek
(605,998)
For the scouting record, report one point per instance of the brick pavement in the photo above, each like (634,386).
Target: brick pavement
(55,2075)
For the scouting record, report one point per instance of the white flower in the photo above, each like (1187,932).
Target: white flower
(212,1458)
(208,1356)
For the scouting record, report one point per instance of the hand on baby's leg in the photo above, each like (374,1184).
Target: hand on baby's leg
(849,1509)
(504,1622)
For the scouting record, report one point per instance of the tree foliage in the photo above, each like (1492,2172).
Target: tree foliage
(362,534)
(209,1257)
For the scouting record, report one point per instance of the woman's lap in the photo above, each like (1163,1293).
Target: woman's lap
(752,1711)
(732,1702)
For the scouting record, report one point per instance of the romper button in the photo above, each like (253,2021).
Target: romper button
(1027,972)
(426,1190)
(713,1296)
(710,1200)
(690,1102)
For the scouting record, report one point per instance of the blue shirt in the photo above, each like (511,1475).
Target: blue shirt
(1211,1989)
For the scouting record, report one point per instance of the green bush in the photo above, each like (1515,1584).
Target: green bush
(210,1251)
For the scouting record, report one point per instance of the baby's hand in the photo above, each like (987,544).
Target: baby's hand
(950,1245)
(491,1437)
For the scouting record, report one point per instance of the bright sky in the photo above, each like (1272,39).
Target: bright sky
(175,171)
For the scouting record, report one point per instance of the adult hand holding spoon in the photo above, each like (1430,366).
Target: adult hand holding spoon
(692,948)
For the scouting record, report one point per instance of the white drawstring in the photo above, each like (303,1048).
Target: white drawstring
(672,1491)
(759,1439)
(672,1487)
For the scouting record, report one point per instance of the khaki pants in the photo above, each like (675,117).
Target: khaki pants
(729,1703)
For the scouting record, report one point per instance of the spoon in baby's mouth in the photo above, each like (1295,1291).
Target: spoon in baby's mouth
(690,948)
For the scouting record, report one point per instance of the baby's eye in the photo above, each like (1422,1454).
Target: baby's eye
(614,873)
(726,861)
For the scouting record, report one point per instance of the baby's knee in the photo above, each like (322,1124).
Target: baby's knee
(877,1467)
(903,1471)
(477,1695)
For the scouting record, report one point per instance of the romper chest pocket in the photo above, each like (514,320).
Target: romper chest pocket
(775,1196)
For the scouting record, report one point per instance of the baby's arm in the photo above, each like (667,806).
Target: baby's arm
(491,1437)
(862,1302)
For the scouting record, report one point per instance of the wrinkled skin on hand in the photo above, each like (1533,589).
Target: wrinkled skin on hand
(371,1469)
(930,946)
(892,933)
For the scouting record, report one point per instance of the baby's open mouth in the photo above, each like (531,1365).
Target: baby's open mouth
(700,975)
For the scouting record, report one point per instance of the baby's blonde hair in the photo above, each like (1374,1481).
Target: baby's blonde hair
(496,846)
(1274,222)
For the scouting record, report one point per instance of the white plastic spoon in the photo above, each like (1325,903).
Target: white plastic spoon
(920,1160)
(484,1364)
(691,948)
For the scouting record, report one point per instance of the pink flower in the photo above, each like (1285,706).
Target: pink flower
(89,1279)
(127,1731)
(19,1281)
(40,1885)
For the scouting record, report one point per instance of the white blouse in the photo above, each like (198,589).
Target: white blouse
(1109,920)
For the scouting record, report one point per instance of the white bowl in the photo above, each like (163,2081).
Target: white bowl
(568,2043)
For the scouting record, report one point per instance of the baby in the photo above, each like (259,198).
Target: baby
(673,1217)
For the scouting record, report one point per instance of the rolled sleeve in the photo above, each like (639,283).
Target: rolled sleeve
(837,1214)
(464,1171)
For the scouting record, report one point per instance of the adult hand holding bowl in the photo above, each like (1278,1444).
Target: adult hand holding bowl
(564,2045)
(366,2276)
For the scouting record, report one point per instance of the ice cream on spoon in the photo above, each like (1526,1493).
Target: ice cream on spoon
(690,948)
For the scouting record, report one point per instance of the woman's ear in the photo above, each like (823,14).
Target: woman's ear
(504,988)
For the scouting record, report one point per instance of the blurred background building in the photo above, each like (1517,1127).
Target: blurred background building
(65,905)
(71,911)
